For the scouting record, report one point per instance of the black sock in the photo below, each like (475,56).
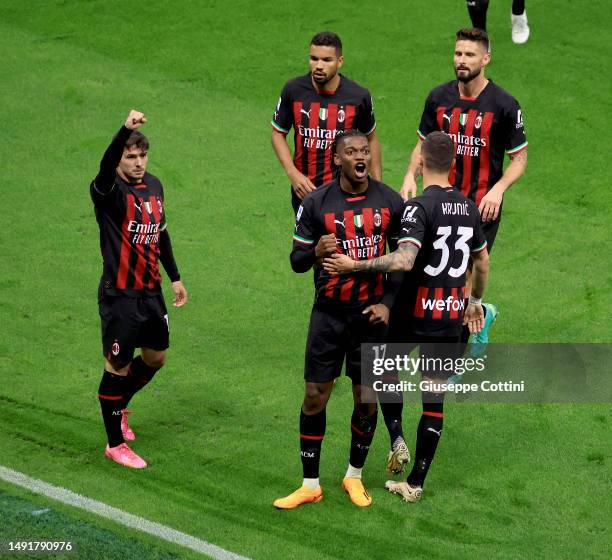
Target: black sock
(428,436)
(312,431)
(110,395)
(362,432)
(392,406)
(478,13)
(139,374)
(518,7)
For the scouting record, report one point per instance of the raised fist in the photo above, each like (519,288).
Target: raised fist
(135,120)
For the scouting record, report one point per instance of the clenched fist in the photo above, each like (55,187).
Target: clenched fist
(135,120)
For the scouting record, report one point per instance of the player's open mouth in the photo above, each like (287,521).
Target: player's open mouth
(360,169)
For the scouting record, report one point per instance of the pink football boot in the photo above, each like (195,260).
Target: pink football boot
(123,455)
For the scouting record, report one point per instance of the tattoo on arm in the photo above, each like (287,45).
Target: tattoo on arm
(401,260)
(521,157)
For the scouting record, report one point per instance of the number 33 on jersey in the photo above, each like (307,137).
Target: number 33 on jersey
(445,226)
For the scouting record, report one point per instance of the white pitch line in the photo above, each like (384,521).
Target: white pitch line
(119,516)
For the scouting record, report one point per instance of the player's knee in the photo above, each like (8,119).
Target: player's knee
(365,417)
(117,365)
(154,359)
(315,398)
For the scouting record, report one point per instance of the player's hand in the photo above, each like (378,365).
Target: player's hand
(135,120)
(379,314)
(180,294)
(339,263)
(474,318)
(490,204)
(409,188)
(326,245)
(301,184)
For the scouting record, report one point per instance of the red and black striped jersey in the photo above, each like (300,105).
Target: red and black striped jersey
(483,128)
(131,218)
(316,118)
(363,225)
(445,226)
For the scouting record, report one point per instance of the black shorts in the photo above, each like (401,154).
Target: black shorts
(436,352)
(490,231)
(334,335)
(295,201)
(132,322)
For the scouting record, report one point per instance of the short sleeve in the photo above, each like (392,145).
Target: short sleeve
(282,119)
(367,120)
(515,139)
(397,208)
(413,224)
(479,241)
(428,118)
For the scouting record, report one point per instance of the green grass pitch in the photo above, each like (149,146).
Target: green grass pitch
(219,424)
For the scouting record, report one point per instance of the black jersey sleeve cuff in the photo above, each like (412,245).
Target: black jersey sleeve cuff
(302,258)
(166,256)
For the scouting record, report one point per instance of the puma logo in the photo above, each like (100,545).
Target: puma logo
(340,223)
(307,113)
(438,433)
(447,117)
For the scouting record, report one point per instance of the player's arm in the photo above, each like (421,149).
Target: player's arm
(400,260)
(166,257)
(304,257)
(105,179)
(376,161)
(409,186)
(474,314)
(491,202)
(301,184)
(309,246)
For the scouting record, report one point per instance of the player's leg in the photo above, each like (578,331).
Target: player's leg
(518,19)
(365,414)
(481,339)
(323,364)
(392,402)
(154,338)
(118,334)
(430,425)
(363,426)
(312,432)
(478,13)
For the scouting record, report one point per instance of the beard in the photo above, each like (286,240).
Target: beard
(465,78)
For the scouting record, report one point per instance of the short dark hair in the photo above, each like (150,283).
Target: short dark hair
(342,135)
(438,151)
(327,39)
(474,34)
(137,139)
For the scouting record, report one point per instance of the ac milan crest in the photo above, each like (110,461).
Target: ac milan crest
(377,219)
(341,116)
(478,121)
(115,348)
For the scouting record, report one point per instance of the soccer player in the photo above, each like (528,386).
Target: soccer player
(129,207)
(440,232)
(352,215)
(518,18)
(318,105)
(485,122)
